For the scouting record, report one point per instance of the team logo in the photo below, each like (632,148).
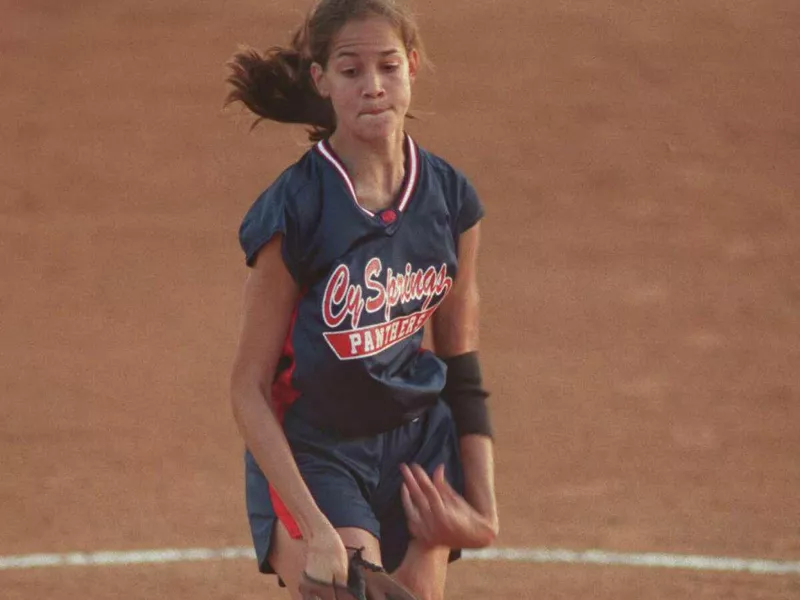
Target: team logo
(347,301)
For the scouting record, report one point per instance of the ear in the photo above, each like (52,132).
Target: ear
(413,64)
(319,79)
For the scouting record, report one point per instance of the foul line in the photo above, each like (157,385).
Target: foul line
(655,560)
(526,555)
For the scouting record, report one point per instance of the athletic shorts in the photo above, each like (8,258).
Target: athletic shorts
(356,482)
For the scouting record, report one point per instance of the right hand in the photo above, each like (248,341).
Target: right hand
(438,515)
(326,557)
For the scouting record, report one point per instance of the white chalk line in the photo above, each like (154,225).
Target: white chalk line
(525,555)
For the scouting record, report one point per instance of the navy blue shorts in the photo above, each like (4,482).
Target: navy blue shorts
(356,482)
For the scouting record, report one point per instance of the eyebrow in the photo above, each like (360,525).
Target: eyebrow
(347,53)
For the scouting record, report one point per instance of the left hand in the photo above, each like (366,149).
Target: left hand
(438,515)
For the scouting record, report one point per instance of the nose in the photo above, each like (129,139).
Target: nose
(373,85)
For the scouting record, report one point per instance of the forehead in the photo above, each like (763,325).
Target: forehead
(372,35)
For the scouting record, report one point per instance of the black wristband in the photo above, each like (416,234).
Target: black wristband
(464,393)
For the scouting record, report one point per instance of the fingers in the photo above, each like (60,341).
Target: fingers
(441,483)
(416,495)
(449,495)
(422,492)
(432,495)
(435,493)
(415,524)
(408,505)
(415,505)
(427,514)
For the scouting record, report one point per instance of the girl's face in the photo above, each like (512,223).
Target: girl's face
(368,79)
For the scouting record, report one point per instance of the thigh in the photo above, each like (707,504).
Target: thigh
(360,539)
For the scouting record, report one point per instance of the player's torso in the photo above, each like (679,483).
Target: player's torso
(372,283)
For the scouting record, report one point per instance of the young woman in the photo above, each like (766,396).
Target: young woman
(356,436)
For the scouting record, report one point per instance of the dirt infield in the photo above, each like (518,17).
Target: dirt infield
(640,272)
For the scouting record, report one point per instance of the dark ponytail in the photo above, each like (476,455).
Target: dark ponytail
(277,84)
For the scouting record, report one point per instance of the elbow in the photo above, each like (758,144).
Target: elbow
(491,531)
(236,399)
(235,392)
(243,390)
(485,534)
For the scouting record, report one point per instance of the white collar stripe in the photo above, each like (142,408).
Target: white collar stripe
(412,176)
(332,159)
(411,180)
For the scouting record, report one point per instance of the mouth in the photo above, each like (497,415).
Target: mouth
(374,111)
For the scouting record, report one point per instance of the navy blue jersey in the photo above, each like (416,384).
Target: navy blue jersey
(369,282)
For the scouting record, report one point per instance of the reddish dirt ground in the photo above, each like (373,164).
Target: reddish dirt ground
(640,163)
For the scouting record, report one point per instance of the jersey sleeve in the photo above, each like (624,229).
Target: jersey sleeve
(470,207)
(272,214)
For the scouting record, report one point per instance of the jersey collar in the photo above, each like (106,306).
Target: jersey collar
(409,181)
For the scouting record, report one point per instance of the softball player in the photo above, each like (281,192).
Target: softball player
(356,436)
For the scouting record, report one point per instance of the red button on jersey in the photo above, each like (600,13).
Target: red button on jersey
(388,216)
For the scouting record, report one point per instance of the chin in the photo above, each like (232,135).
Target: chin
(379,130)
(375,135)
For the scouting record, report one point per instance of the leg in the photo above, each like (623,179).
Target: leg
(424,570)
(359,538)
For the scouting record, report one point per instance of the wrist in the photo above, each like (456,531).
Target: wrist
(314,525)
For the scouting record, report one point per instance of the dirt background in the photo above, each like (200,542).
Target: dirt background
(640,163)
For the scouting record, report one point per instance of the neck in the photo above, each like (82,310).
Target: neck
(376,168)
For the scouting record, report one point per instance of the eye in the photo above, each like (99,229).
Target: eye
(349,72)
(391,67)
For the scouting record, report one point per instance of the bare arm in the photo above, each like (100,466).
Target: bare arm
(270,296)
(455,332)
